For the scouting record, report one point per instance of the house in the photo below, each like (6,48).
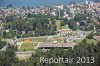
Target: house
(64,32)
(57,45)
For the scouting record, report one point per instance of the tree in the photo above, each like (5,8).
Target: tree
(79,17)
(64,21)
(89,21)
(90,36)
(72,24)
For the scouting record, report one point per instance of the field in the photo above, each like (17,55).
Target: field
(32,44)
(89,41)
(64,27)
(58,24)
(28,46)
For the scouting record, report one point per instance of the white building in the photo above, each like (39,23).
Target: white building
(64,32)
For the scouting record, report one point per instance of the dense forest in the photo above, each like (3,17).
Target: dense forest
(32,25)
(2,43)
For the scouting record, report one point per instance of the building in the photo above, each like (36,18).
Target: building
(57,45)
(64,32)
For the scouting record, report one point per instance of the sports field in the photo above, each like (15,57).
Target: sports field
(28,46)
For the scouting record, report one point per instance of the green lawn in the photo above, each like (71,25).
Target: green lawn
(28,46)
(64,27)
(89,41)
(78,41)
(58,22)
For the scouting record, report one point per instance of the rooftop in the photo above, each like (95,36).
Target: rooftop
(57,45)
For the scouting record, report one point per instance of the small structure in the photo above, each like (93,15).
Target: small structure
(57,45)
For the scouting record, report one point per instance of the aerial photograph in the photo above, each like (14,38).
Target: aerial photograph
(49,32)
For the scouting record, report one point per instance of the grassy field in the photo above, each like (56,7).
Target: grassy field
(58,22)
(28,46)
(31,45)
(89,41)
(64,27)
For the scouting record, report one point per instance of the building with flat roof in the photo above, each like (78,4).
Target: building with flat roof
(64,32)
(57,45)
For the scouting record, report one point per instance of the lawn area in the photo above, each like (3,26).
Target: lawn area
(58,22)
(28,46)
(78,41)
(64,27)
(89,41)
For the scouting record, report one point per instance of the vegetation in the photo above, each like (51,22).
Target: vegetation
(79,17)
(7,58)
(2,43)
(38,26)
(90,36)
(89,41)
(58,24)
(31,25)
(72,24)
(28,46)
